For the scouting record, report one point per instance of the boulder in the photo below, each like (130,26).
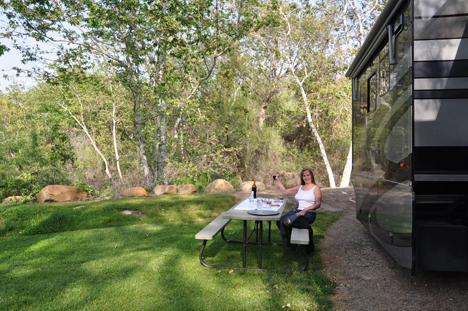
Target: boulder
(165,189)
(187,189)
(13,199)
(246,186)
(293,182)
(59,193)
(134,192)
(158,190)
(219,185)
(171,189)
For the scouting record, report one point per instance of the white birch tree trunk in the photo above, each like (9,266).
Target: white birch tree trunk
(347,169)
(162,143)
(141,141)
(114,134)
(331,178)
(82,124)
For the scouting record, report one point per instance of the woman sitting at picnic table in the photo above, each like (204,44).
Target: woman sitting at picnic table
(309,196)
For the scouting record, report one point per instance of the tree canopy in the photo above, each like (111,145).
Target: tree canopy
(160,92)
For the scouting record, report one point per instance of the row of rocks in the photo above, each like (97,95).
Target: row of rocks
(60,193)
(173,189)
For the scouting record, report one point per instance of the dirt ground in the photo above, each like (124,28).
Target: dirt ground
(367,277)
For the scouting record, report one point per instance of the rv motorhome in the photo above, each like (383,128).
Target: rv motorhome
(410,133)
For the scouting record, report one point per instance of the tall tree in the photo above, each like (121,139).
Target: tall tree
(304,41)
(92,100)
(261,71)
(358,17)
(34,145)
(162,50)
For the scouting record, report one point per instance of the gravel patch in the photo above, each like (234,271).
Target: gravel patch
(368,278)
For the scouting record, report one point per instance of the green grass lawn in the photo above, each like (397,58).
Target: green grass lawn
(55,257)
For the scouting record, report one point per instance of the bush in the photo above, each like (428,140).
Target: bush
(88,188)
(29,183)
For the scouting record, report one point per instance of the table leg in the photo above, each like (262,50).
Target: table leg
(269,231)
(260,245)
(256,231)
(245,244)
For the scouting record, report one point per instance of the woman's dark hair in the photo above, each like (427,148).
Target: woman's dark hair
(312,179)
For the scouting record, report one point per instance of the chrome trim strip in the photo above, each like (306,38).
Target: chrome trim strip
(406,185)
(440,177)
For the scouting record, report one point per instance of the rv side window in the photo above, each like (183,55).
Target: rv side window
(384,74)
(364,98)
(368,95)
(398,26)
(372,93)
(384,51)
(400,39)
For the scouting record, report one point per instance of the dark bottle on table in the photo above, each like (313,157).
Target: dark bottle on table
(254,190)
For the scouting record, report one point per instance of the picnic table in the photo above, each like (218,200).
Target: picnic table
(246,211)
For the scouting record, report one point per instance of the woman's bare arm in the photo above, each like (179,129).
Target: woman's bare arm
(289,192)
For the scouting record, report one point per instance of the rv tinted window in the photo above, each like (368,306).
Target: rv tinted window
(384,51)
(398,26)
(372,93)
(384,72)
(363,94)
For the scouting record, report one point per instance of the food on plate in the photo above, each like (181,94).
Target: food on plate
(274,205)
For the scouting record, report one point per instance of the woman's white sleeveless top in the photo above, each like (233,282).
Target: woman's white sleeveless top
(305,198)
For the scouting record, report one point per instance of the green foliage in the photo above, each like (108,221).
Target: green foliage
(30,183)
(82,186)
(34,146)
(201,181)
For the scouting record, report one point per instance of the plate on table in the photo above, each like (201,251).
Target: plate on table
(263,213)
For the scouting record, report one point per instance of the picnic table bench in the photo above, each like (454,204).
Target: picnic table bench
(212,229)
(300,236)
(209,233)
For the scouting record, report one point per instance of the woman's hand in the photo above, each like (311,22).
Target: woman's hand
(301,213)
